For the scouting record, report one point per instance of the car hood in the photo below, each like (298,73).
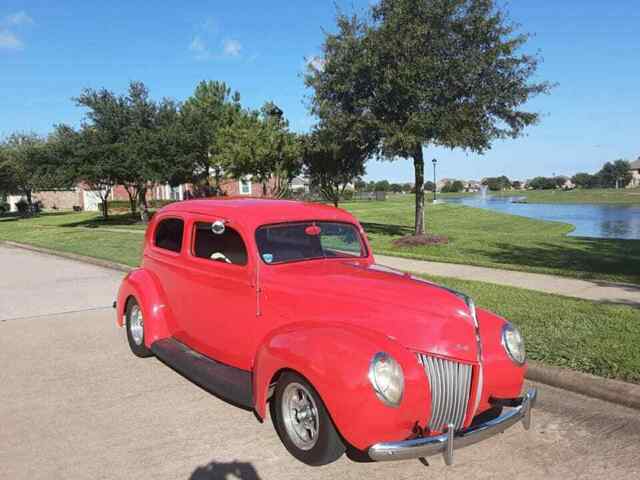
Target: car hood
(420,315)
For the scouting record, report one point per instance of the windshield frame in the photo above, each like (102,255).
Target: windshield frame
(364,247)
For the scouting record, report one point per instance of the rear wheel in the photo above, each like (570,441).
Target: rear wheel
(302,422)
(135,329)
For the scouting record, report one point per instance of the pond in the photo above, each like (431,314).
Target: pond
(589,220)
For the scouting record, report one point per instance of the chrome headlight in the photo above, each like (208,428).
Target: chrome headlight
(387,379)
(513,343)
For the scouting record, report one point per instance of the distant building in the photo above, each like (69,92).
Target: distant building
(635,174)
(472,186)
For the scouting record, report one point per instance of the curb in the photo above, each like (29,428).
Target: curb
(614,391)
(71,256)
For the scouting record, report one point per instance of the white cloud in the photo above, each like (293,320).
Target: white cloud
(19,18)
(231,48)
(9,41)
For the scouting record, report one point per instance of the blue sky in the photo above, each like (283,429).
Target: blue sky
(49,51)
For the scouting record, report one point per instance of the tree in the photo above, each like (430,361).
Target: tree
(395,187)
(211,108)
(429,186)
(543,183)
(584,180)
(496,184)
(429,72)
(24,162)
(331,162)
(259,144)
(382,186)
(360,185)
(614,174)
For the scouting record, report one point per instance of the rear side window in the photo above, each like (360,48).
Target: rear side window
(226,247)
(169,234)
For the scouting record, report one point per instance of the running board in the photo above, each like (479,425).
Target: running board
(229,383)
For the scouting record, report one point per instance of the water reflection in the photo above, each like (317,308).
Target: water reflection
(589,220)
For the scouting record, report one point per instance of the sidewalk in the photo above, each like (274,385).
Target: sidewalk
(596,290)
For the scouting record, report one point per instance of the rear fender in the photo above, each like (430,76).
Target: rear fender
(335,359)
(145,288)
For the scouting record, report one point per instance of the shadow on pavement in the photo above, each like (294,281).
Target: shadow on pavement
(225,471)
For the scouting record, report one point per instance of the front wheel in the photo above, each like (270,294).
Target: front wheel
(135,329)
(302,422)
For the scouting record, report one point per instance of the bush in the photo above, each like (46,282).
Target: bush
(4,208)
(23,206)
(347,196)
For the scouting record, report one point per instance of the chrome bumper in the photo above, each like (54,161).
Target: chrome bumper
(450,441)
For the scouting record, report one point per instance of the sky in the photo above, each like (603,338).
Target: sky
(50,51)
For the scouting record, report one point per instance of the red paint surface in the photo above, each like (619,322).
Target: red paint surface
(324,319)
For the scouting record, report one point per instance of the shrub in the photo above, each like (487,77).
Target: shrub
(4,208)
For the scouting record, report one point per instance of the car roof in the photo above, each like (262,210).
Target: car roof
(255,212)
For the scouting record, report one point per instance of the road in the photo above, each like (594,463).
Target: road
(75,403)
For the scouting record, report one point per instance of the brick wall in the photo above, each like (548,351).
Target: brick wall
(59,199)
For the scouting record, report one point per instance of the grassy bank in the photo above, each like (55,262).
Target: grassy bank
(491,239)
(628,196)
(579,334)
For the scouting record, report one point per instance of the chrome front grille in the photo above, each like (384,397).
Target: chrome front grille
(450,386)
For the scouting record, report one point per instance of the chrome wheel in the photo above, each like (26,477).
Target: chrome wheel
(136,324)
(300,415)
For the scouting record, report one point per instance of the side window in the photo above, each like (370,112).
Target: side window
(169,234)
(226,247)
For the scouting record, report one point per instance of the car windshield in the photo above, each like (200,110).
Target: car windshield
(291,242)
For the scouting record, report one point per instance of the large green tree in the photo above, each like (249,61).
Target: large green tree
(429,72)
(332,160)
(260,145)
(26,165)
(212,107)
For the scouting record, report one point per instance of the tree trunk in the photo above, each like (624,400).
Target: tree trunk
(105,208)
(418,165)
(133,198)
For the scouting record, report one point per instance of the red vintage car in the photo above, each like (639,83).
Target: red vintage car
(280,304)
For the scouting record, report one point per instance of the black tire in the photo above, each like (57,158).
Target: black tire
(328,446)
(137,347)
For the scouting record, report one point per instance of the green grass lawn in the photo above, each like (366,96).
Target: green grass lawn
(66,232)
(582,335)
(628,196)
(491,239)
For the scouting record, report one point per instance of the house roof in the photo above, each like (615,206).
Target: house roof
(254,212)
(635,165)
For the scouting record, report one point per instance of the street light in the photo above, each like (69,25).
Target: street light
(434,179)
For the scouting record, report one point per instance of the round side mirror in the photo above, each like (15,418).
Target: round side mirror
(217,227)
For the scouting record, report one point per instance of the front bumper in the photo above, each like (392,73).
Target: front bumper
(451,440)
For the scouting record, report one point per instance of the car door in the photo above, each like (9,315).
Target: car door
(164,257)
(222,303)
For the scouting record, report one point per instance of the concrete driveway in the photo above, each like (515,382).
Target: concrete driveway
(75,403)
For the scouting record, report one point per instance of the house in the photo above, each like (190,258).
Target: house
(472,186)
(635,174)
(78,197)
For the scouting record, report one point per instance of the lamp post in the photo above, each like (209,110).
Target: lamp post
(435,187)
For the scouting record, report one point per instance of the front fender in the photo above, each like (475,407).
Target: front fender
(502,377)
(145,287)
(335,359)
